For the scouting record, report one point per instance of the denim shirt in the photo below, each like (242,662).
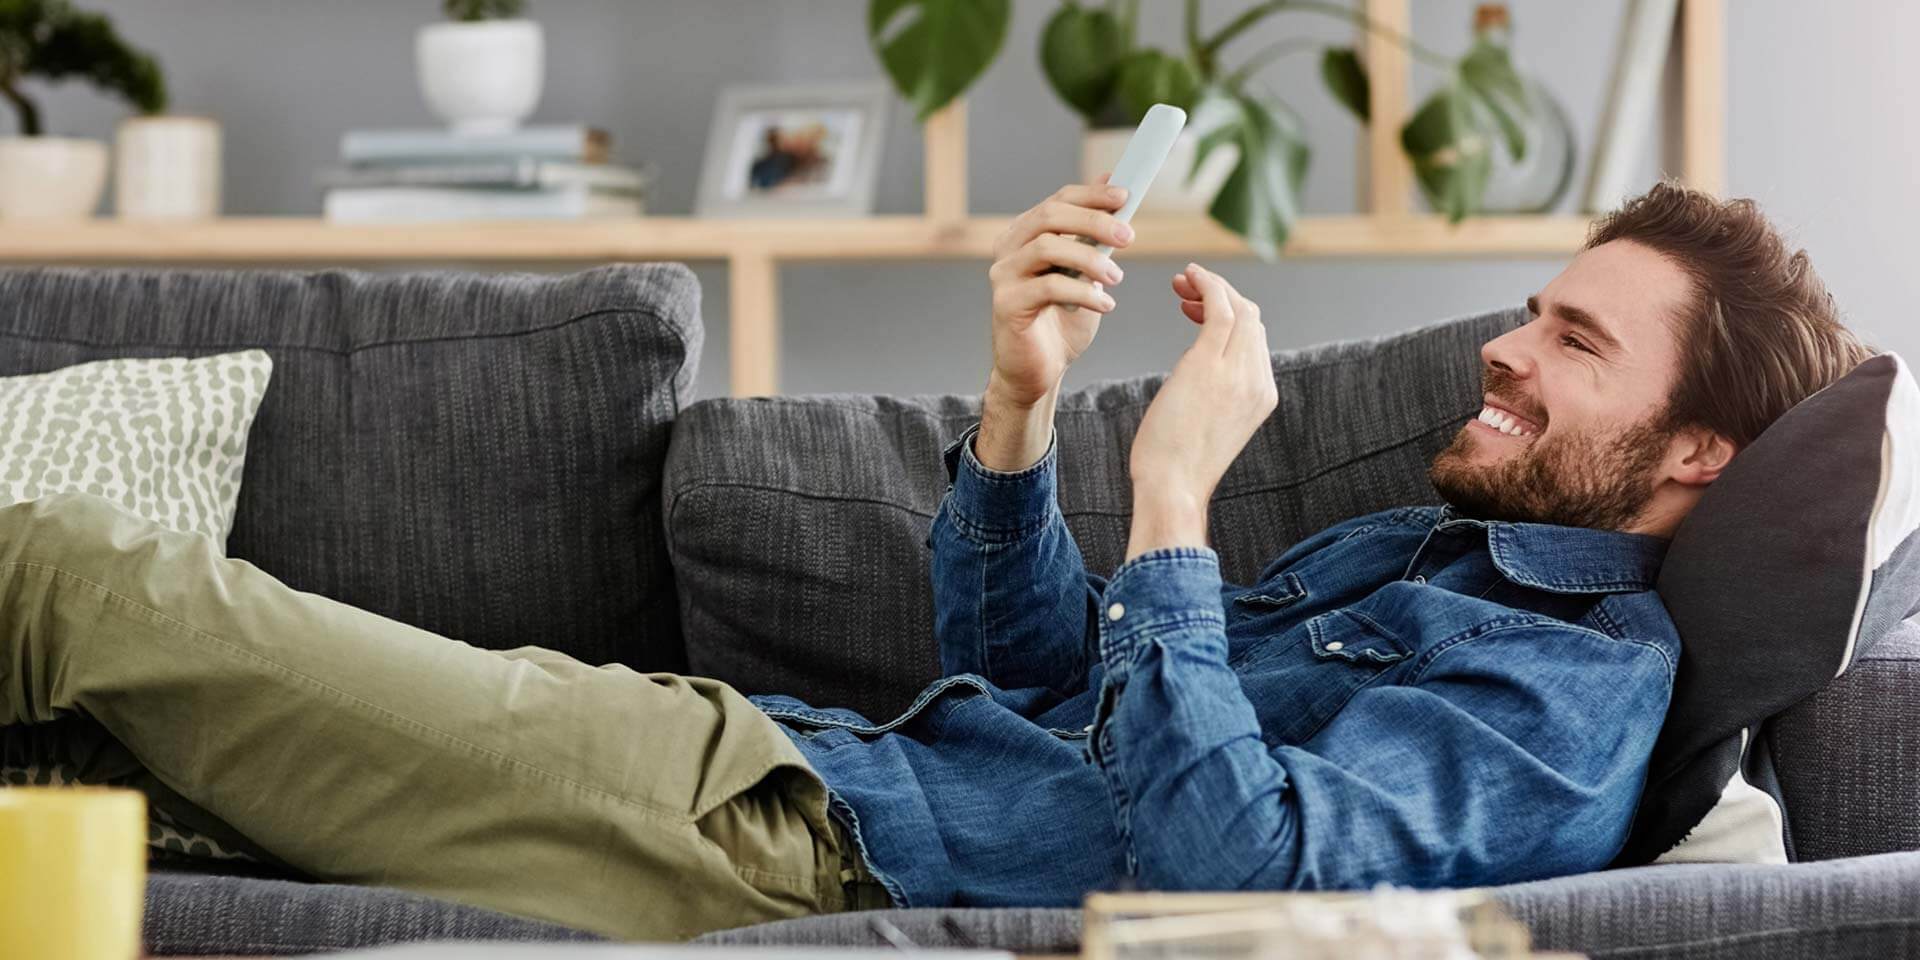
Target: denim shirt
(1412,697)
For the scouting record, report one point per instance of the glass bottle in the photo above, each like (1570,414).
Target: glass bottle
(1535,182)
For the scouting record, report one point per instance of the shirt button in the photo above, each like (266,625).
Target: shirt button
(1116,611)
(1335,645)
(1087,729)
(1420,579)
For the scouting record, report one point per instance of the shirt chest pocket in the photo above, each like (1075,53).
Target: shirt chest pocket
(1300,681)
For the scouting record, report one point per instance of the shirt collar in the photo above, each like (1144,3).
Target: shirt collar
(1560,559)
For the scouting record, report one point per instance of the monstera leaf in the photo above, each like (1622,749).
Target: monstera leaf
(1347,80)
(1148,77)
(1261,198)
(935,49)
(1081,51)
(1452,156)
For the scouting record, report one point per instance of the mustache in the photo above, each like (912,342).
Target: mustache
(1505,387)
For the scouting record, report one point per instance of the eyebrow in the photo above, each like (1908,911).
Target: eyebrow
(1587,322)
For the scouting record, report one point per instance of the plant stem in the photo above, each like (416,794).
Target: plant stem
(1128,13)
(29,114)
(1202,57)
(1247,19)
(1273,52)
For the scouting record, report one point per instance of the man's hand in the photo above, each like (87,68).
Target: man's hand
(1043,321)
(1218,394)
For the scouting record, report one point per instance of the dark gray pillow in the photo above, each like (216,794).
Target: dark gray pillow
(478,455)
(798,525)
(1793,566)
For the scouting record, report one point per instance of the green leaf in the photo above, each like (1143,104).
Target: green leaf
(1452,157)
(935,49)
(1080,50)
(1487,73)
(1148,77)
(1347,79)
(1260,199)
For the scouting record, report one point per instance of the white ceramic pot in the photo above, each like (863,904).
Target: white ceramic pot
(482,77)
(1172,193)
(167,168)
(51,178)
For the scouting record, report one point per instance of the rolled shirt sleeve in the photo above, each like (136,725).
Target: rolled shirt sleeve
(1012,595)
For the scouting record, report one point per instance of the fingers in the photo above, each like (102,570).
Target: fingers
(1217,319)
(1061,214)
(1029,296)
(1053,250)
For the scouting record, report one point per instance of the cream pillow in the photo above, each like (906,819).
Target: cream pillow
(166,438)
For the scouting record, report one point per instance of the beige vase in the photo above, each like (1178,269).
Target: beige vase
(167,168)
(51,178)
(1177,191)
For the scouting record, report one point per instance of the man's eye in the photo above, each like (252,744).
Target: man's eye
(1574,342)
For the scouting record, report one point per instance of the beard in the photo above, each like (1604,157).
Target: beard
(1573,480)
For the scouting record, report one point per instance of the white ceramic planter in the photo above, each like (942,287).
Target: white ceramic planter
(1171,193)
(167,168)
(51,178)
(482,77)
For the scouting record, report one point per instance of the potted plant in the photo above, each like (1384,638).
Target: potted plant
(62,177)
(1244,154)
(482,70)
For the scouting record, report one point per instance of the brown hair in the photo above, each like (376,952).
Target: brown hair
(1761,332)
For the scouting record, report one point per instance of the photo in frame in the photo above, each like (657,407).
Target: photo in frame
(794,150)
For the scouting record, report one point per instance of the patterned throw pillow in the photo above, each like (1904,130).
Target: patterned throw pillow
(165,438)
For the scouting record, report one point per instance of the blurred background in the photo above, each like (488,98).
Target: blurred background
(1820,129)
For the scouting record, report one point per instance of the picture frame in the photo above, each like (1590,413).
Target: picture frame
(794,150)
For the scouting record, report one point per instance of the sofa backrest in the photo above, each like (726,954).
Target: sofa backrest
(478,455)
(798,525)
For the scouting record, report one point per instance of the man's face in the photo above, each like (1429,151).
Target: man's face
(1574,429)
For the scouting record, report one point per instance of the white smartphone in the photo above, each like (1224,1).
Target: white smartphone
(1140,162)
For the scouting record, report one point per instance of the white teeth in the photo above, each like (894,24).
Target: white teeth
(1503,422)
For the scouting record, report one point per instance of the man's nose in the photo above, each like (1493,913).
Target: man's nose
(1509,352)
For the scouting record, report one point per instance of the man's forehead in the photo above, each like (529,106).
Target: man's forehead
(1630,291)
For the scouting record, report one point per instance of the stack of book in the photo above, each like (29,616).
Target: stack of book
(532,173)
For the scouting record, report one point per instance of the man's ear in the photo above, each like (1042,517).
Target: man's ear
(1699,455)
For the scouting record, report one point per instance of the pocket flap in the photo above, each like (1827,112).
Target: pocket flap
(1350,635)
(1278,592)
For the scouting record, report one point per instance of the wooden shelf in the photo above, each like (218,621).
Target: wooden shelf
(755,249)
(291,240)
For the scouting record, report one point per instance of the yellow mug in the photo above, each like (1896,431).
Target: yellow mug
(73,873)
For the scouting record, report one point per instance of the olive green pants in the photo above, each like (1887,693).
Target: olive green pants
(361,750)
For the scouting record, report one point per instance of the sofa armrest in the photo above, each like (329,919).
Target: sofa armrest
(1848,757)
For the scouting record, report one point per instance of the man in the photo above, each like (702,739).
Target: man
(1428,696)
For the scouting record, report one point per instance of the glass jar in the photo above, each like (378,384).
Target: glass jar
(1535,182)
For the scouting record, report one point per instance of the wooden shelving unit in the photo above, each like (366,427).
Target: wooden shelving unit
(755,249)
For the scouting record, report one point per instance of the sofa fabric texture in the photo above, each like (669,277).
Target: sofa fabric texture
(476,455)
(798,525)
(1864,909)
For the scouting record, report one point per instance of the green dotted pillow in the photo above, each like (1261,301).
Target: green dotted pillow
(165,438)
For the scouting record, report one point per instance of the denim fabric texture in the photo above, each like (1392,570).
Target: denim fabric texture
(1413,697)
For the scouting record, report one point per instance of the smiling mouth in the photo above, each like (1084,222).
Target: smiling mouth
(1503,421)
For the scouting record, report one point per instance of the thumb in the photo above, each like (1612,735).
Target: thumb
(1216,307)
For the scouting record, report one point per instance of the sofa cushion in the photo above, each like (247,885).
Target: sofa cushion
(1796,562)
(1858,909)
(478,455)
(191,914)
(798,525)
(1846,758)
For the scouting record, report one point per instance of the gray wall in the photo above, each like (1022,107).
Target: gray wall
(1820,132)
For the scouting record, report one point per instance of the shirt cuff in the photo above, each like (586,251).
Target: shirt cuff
(1156,592)
(996,505)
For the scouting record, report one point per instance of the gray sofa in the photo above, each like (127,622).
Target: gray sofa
(515,459)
